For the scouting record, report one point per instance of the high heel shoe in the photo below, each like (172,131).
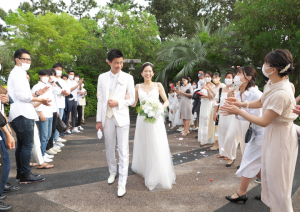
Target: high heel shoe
(229,164)
(243,198)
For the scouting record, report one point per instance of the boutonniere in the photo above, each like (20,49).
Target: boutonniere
(121,80)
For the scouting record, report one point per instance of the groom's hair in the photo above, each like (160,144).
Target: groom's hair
(114,53)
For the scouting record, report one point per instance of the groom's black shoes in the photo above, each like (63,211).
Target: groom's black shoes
(111,179)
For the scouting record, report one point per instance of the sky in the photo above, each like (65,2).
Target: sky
(13,4)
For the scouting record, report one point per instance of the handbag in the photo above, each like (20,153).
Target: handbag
(82,101)
(60,125)
(248,133)
(2,118)
(220,93)
(2,90)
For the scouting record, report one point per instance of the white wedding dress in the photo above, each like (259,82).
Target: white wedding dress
(152,158)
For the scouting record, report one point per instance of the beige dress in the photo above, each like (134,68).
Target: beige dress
(185,105)
(280,147)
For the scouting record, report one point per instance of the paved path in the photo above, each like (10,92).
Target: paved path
(78,181)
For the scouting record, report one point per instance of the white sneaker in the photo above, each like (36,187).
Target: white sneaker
(56,148)
(49,156)
(172,127)
(111,179)
(121,191)
(47,160)
(58,143)
(191,128)
(51,152)
(68,131)
(80,128)
(61,140)
(75,130)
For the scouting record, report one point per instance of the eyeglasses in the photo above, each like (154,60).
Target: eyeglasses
(26,59)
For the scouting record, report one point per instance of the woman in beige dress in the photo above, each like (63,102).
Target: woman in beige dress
(185,106)
(280,142)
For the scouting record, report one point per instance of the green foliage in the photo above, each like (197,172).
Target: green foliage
(79,7)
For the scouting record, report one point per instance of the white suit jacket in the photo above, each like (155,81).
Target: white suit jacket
(121,112)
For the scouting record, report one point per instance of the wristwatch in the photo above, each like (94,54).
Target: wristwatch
(36,94)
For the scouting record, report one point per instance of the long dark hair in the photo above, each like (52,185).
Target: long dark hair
(147,64)
(248,71)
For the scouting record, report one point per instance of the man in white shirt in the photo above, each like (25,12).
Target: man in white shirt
(61,102)
(22,114)
(45,113)
(73,85)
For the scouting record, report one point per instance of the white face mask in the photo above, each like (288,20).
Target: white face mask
(237,81)
(53,78)
(76,79)
(202,81)
(45,79)
(194,86)
(228,81)
(82,84)
(208,79)
(265,73)
(25,66)
(71,77)
(215,81)
(58,73)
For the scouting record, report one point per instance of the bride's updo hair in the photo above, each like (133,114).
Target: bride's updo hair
(282,60)
(145,65)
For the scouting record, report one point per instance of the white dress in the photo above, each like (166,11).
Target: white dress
(152,158)
(172,106)
(223,126)
(206,123)
(177,120)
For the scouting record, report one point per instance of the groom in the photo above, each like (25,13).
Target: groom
(113,116)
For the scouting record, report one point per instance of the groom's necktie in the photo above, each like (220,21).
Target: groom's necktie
(109,112)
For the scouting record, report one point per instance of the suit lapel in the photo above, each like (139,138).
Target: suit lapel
(108,85)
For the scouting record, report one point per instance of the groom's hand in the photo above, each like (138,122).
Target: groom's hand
(99,126)
(112,103)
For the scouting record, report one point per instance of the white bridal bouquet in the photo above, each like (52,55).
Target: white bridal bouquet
(152,109)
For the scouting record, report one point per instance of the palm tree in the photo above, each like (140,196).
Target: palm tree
(189,52)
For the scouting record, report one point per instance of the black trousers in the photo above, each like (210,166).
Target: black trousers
(50,142)
(73,104)
(79,110)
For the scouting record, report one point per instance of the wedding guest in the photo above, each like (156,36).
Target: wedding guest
(60,98)
(200,83)
(22,114)
(67,108)
(194,113)
(214,91)
(73,85)
(45,113)
(172,97)
(280,142)
(224,120)
(206,123)
(251,161)
(81,102)
(185,107)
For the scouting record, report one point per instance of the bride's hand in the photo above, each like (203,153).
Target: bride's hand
(233,101)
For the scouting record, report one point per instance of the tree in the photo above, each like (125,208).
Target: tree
(50,38)
(276,25)
(119,2)
(79,7)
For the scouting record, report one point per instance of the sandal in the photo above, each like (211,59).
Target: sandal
(220,156)
(226,158)
(48,166)
(33,164)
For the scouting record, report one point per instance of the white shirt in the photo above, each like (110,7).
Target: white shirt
(60,99)
(250,95)
(172,100)
(112,78)
(19,90)
(71,84)
(199,85)
(55,91)
(80,96)
(47,110)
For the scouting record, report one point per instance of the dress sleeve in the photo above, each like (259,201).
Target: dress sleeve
(279,101)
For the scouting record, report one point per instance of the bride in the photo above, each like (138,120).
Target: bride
(151,154)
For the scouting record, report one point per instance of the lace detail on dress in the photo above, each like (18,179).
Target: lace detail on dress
(152,94)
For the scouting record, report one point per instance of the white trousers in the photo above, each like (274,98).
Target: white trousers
(36,150)
(112,131)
